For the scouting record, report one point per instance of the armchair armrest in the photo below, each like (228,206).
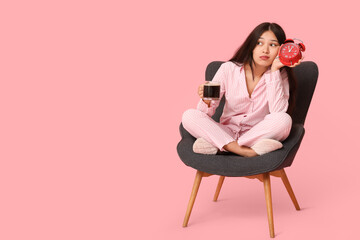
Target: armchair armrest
(292,144)
(184,133)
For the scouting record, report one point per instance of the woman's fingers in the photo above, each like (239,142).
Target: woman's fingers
(201,90)
(298,63)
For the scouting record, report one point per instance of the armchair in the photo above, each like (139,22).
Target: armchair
(260,167)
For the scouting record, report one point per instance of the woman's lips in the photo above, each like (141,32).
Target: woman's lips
(264,57)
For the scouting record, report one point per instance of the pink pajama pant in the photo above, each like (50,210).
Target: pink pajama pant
(275,126)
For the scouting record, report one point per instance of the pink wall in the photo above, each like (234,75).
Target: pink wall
(92,94)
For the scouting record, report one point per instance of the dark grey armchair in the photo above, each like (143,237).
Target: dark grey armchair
(260,167)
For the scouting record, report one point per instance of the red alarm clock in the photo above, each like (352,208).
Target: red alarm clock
(290,52)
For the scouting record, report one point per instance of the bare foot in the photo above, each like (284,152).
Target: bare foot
(240,150)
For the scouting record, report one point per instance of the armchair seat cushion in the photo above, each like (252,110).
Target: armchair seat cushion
(232,165)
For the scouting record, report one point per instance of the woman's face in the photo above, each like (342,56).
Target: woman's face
(266,49)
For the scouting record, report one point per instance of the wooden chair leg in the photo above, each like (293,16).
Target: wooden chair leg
(194,192)
(218,188)
(267,187)
(289,188)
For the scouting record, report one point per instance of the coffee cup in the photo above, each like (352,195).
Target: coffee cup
(211,91)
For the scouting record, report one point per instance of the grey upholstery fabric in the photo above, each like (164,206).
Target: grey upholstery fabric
(232,165)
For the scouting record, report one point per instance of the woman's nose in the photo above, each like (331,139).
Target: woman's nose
(266,49)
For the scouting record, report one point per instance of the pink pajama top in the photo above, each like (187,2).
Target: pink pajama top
(241,112)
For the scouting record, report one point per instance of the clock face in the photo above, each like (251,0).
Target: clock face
(289,50)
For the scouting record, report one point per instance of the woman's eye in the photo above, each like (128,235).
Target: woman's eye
(273,44)
(259,43)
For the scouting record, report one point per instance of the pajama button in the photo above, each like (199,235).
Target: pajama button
(245,115)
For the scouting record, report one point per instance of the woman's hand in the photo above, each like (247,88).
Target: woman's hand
(277,64)
(201,94)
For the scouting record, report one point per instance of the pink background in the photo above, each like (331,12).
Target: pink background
(92,94)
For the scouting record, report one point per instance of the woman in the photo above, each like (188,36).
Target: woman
(257,88)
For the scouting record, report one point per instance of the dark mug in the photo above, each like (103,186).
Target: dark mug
(211,91)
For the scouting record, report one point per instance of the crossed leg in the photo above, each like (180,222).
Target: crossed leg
(274,126)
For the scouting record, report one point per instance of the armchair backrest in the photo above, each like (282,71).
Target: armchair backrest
(306,75)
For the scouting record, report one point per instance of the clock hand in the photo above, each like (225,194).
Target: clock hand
(290,48)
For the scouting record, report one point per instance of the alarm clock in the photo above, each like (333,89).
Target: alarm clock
(290,52)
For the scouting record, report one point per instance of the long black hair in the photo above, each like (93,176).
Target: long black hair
(244,55)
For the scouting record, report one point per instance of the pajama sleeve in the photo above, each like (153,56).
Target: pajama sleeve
(220,77)
(277,91)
